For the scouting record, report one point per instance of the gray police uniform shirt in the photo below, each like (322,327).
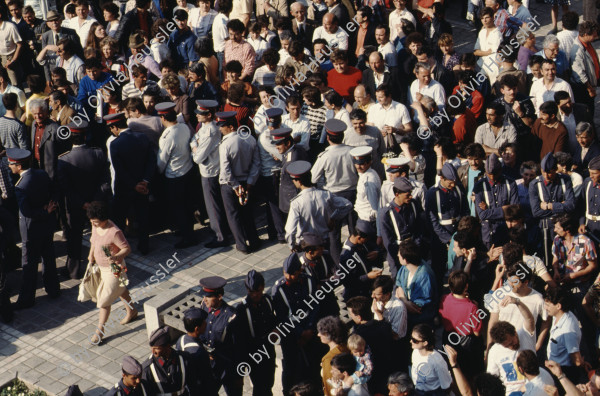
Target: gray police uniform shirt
(335,166)
(368,193)
(239,160)
(174,156)
(206,142)
(310,211)
(266,151)
(372,137)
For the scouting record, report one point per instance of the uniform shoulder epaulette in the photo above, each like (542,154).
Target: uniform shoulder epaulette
(65,153)
(322,153)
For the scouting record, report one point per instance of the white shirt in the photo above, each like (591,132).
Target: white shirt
(487,42)
(72,66)
(341,115)
(368,192)
(434,90)
(535,387)
(577,182)
(503,361)
(566,39)
(338,39)
(429,372)
(511,314)
(220,32)
(395,115)
(82,30)
(259,46)
(389,54)
(395,19)
(206,142)
(300,127)
(174,154)
(9,37)
(542,94)
(394,312)
(201,23)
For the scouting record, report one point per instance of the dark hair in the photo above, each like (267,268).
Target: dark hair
(469,224)
(98,210)
(501,331)
(296,48)
(527,361)
(570,20)
(409,250)
(458,281)
(518,235)
(190,324)
(426,333)
(512,253)
(303,388)
(361,306)
(293,100)
(511,145)
(587,28)
(535,59)
(142,3)
(313,94)
(486,11)
(320,41)
(448,147)
(271,56)
(464,76)
(111,8)
(464,240)
(564,159)
(136,104)
(561,95)
(69,9)
(236,92)
(568,223)
(367,12)
(385,88)
(489,385)
(334,98)
(344,362)
(204,47)
(560,295)
(180,15)
(425,50)
(475,150)
(10,100)
(225,6)
(358,114)
(236,25)
(498,108)
(468,58)
(56,96)
(339,55)
(36,83)
(68,45)
(509,80)
(234,67)
(530,165)
(385,282)
(333,327)
(513,270)
(90,63)
(415,37)
(508,52)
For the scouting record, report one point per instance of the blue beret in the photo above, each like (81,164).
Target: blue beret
(78,127)
(212,285)
(403,184)
(292,264)
(549,162)
(254,280)
(449,172)
(112,118)
(492,164)
(273,112)
(334,126)
(17,155)
(205,106)
(195,313)
(365,227)
(165,107)
(131,366)
(224,117)
(594,163)
(160,337)
(278,136)
(310,239)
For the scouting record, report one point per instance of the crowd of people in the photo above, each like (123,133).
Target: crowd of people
(468,182)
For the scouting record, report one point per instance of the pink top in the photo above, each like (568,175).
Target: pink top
(456,312)
(113,238)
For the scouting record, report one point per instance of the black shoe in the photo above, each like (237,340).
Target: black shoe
(216,244)
(21,305)
(186,243)
(243,251)
(143,248)
(54,295)
(64,272)
(7,315)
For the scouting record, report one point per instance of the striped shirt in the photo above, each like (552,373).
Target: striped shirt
(131,91)
(316,117)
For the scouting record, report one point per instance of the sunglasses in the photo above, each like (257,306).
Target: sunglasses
(415,341)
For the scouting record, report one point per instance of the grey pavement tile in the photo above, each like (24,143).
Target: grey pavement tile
(53,386)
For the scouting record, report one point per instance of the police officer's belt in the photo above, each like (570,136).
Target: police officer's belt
(592,217)
(160,388)
(448,221)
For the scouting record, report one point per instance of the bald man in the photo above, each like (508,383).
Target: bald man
(362,99)
(332,33)
(302,25)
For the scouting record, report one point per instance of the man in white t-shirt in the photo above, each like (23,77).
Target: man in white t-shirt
(424,85)
(386,48)
(299,123)
(486,46)
(518,279)
(386,306)
(332,33)
(508,341)
(543,89)
(10,48)
(388,115)
(83,23)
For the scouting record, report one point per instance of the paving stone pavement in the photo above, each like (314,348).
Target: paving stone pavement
(48,345)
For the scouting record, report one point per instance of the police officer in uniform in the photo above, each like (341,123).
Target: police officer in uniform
(445,204)
(240,165)
(267,187)
(255,320)
(590,221)
(131,383)
(36,203)
(368,189)
(175,161)
(400,219)
(318,264)
(219,336)
(299,344)
(312,210)
(335,171)
(83,177)
(133,161)
(166,372)
(357,261)
(393,170)
(492,193)
(190,346)
(290,152)
(205,152)
(550,194)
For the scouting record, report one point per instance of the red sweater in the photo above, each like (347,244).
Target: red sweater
(464,128)
(344,84)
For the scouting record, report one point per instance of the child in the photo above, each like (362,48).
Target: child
(362,355)
(233,72)
(257,42)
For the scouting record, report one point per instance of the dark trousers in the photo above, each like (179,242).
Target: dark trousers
(75,222)
(335,236)
(300,363)
(582,96)
(179,197)
(267,190)
(231,382)
(40,246)
(123,203)
(240,219)
(263,376)
(211,189)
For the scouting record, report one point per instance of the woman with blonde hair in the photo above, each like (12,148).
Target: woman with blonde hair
(108,249)
(450,58)
(111,60)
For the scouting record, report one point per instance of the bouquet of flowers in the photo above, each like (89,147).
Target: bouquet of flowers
(117,270)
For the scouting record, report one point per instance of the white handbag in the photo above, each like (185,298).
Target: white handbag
(89,284)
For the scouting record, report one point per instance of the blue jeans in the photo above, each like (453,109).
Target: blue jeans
(221,58)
